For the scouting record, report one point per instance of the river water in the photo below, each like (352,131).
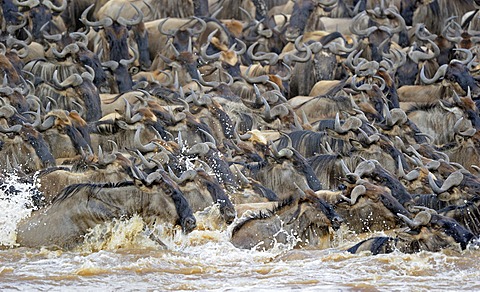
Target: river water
(120,256)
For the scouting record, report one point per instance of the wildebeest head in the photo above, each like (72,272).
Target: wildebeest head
(375,245)
(379,29)
(162,180)
(298,20)
(228,56)
(115,32)
(121,74)
(218,194)
(141,38)
(9,13)
(302,13)
(40,13)
(88,58)
(35,139)
(64,137)
(286,169)
(455,71)
(432,232)
(85,93)
(313,218)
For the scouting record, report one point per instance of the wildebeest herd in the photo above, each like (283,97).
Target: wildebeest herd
(292,117)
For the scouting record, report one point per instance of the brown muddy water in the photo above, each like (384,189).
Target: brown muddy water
(119,256)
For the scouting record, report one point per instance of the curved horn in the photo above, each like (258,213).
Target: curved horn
(186,175)
(418,56)
(241,177)
(12,129)
(243,47)
(138,144)
(128,113)
(204,47)
(148,164)
(169,33)
(356,193)
(467,133)
(271,57)
(28,3)
(107,21)
(435,188)
(203,26)
(46,35)
(440,73)
(60,8)
(131,22)
(72,80)
(422,33)
(258,79)
(467,59)
(453,180)
(69,49)
(355,26)
(285,152)
(401,22)
(292,57)
(211,140)
(421,219)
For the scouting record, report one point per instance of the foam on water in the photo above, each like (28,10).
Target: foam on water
(16,203)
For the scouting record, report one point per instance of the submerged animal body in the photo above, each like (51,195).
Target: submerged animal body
(302,222)
(427,232)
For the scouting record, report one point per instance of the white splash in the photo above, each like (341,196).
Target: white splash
(15,204)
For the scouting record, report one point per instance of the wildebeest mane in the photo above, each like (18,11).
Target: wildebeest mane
(430,201)
(49,170)
(265,192)
(264,214)
(422,107)
(324,165)
(73,189)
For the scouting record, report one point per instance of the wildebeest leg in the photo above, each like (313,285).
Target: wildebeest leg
(153,237)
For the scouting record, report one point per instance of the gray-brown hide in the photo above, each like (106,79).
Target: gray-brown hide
(51,181)
(284,173)
(320,107)
(436,120)
(81,207)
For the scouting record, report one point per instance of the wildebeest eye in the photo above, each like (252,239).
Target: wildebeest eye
(342,187)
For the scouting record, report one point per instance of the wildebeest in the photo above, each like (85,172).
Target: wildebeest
(427,232)
(80,207)
(299,220)
(368,207)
